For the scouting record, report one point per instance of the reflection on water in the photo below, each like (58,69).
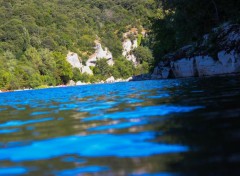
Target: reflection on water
(163,128)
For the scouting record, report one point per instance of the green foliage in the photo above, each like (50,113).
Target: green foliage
(35,37)
(14,37)
(122,68)
(85,78)
(178,23)
(139,39)
(64,69)
(102,70)
(142,69)
(143,54)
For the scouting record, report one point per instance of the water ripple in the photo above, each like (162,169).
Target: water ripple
(95,145)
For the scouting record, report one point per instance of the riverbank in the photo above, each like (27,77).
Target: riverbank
(72,83)
(218,53)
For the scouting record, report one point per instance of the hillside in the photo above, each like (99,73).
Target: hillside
(36,36)
(42,42)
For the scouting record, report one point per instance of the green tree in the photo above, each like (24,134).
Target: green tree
(143,54)
(102,69)
(122,68)
(64,69)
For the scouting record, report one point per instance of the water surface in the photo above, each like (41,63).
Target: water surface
(149,128)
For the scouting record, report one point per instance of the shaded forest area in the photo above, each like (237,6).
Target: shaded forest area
(181,22)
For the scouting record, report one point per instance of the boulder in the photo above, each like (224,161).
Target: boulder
(129,79)
(110,80)
(79,83)
(71,83)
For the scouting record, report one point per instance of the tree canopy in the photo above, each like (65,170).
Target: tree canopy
(35,36)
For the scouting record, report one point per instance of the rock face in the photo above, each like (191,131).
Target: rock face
(227,63)
(73,59)
(87,70)
(128,47)
(130,42)
(188,62)
(100,54)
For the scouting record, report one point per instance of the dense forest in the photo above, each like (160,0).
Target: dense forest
(36,35)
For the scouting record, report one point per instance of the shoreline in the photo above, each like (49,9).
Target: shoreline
(62,86)
(132,80)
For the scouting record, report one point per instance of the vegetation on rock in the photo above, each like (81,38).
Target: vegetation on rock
(36,35)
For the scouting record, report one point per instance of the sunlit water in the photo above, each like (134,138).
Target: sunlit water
(150,128)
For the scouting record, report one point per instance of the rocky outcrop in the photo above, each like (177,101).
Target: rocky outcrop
(100,54)
(128,47)
(74,60)
(110,80)
(79,83)
(217,54)
(130,42)
(71,83)
(87,70)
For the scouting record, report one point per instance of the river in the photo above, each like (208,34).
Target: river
(148,128)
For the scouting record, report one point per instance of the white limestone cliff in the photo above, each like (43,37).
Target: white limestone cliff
(87,70)
(128,47)
(100,54)
(74,60)
(226,61)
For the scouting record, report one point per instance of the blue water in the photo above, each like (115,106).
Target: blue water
(149,128)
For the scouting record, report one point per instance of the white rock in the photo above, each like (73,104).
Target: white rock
(135,44)
(207,66)
(92,60)
(229,60)
(119,80)
(127,46)
(71,83)
(100,54)
(73,59)
(86,69)
(132,58)
(129,79)
(110,80)
(78,83)
(183,68)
